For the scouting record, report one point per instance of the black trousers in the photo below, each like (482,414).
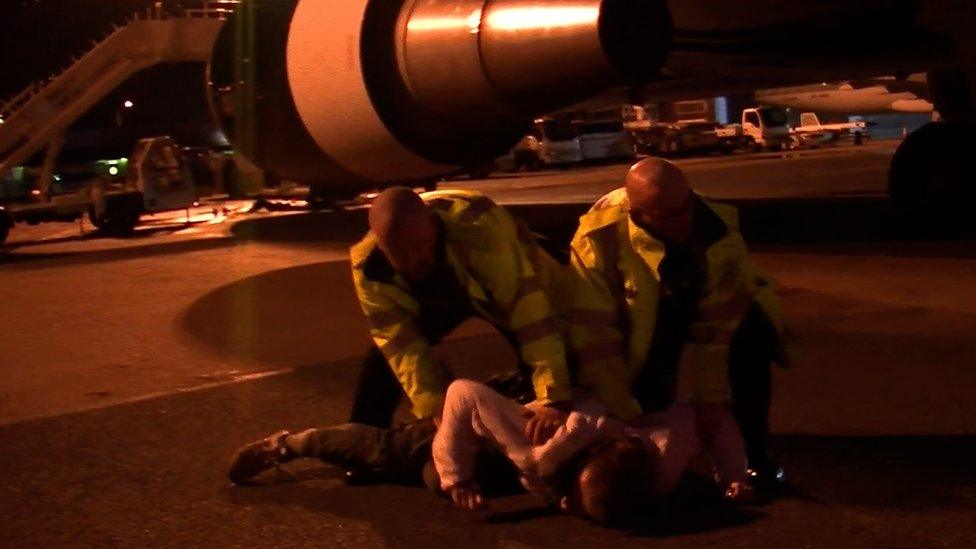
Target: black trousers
(402,450)
(400,454)
(754,347)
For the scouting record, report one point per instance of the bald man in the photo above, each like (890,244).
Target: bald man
(432,261)
(662,278)
(428,263)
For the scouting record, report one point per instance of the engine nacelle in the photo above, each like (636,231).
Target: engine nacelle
(360,92)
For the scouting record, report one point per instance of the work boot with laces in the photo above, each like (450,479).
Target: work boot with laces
(259,456)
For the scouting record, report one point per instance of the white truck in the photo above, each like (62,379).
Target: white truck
(764,128)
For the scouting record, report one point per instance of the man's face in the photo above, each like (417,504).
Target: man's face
(667,214)
(412,249)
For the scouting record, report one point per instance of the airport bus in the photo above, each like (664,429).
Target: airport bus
(560,141)
(594,136)
(604,138)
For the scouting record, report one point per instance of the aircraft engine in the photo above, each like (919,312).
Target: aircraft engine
(357,92)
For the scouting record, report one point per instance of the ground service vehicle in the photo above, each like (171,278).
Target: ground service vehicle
(604,139)
(811,131)
(560,142)
(685,137)
(765,128)
(159,179)
(6,223)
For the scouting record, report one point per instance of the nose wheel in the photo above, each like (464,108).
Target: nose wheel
(931,173)
(5,223)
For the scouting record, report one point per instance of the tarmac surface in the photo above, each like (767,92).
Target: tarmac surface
(133,368)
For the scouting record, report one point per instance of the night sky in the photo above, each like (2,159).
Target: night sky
(40,36)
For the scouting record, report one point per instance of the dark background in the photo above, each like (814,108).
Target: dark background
(39,37)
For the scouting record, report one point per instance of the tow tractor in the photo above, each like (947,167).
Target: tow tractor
(159,179)
(762,128)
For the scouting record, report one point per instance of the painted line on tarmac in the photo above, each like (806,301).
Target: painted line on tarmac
(254,376)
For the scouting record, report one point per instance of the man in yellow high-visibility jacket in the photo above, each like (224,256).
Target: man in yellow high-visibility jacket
(662,278)
(430,262)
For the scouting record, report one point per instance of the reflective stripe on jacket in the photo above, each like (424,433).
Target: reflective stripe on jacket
(510,282)
(615,298)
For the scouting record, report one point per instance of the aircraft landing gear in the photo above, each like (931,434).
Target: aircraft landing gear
(931,173)
(928,172)
(326,197)
(321,197)
(6,222)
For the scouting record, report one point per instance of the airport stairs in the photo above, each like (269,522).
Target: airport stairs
(39,116)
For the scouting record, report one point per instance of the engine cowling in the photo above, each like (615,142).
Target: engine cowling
(364,92)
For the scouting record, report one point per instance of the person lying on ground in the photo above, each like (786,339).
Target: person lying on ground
(593,465)
(590,466)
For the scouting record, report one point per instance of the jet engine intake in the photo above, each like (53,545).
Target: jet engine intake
(366,92)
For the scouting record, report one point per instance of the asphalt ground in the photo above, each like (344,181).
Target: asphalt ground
(132,369)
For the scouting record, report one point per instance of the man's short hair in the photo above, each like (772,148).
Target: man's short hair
(394,208)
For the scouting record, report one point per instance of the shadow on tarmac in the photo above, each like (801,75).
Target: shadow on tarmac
(827,221)
(293,317)
(345,226)
(37,260)
(841,219)
(895,472)
(823,222)
(8,252)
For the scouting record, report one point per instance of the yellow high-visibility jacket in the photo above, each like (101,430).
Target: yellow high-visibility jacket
(615,298)
(510,282)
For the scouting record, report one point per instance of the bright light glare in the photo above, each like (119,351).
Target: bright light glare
(541,17)
(113,171)
(128,104)
(471,22)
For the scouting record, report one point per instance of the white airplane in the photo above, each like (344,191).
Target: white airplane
(870,96)
(347,93)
